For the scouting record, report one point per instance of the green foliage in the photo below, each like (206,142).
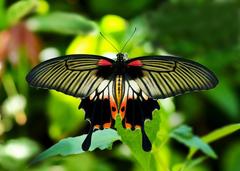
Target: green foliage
(221,132)
(19,10)
(193,27)
(231,106)
(102,139)
(216,135)
(61,22)
(131,7)
(133,140)
(86,162)
(184,135)
(64,120)
(230,159)
(2,17)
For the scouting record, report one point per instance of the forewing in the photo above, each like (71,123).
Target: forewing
(165,76)
(76,75)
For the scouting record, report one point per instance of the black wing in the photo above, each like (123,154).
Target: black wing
(165,76)
(76,75)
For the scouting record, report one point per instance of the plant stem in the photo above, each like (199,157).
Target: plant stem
(9,85)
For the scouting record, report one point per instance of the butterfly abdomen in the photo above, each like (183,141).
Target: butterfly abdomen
(118,89)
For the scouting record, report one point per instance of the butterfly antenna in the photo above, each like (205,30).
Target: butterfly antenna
(109,42)
(135,29)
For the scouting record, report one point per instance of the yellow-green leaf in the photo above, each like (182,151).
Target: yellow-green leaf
(19,10)
(220,133)
(61,22)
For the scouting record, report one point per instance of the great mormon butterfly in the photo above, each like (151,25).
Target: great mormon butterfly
(129,87)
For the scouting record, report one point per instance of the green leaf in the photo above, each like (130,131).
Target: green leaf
(220,133)
(19,10)
(133,139)
(189,164)
(231,156)
(2,15)
(157,131)
(184,135)
(102,139)
(65,120)
(60,22)
(215,135)
(195,162)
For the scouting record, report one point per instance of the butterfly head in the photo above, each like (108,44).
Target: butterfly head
(122,56)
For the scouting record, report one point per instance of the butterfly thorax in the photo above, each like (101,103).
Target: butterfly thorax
(120,65)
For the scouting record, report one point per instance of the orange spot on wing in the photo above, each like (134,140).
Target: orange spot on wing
(96,126)
(107,125)
(123,107)
(137,126)
(128,125)
(114,110)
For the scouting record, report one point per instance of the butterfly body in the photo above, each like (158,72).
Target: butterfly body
(128,87)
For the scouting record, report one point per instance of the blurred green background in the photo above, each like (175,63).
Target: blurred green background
(32,31)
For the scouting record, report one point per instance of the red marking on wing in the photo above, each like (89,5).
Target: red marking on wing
(136,63)
(104,62)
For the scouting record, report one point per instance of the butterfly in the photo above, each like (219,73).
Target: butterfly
(126,87)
